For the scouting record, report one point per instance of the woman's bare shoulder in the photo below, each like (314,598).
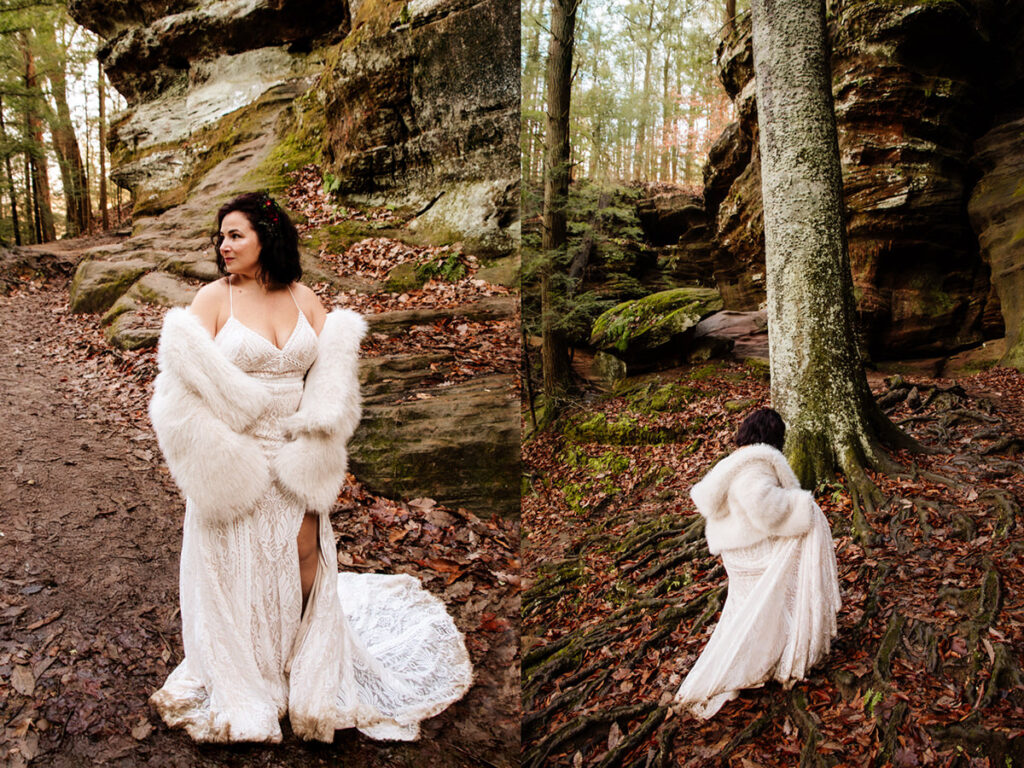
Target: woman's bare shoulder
(311,305)
(209,302)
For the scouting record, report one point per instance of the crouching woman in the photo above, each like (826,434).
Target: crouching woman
(776,545)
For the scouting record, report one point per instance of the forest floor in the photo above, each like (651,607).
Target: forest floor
(90,536)
(623,594)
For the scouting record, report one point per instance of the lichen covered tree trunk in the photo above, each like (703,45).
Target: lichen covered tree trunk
(818,380)
(556,193)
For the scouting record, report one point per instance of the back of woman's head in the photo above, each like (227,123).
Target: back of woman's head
(762,426)
(279,240)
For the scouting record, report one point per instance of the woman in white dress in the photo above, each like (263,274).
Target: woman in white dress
(780,614)
(255,401)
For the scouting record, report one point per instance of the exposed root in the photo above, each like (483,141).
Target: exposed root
(887,647)
(809,757)
(577,728)
(618,753)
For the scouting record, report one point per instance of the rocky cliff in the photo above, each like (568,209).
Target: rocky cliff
(413,105)
(926,95)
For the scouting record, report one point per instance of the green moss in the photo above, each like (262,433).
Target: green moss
(737,406)
(608,463)
(761,369)
(624,430)
(651,398)
(653,320)
(302,128)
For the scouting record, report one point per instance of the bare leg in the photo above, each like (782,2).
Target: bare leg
(309,554)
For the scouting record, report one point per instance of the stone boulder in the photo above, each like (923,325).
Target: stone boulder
(659,325)
(98,284)
(458,445)
(744,334)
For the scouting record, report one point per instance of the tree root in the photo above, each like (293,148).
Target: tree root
(809,757)
(890,731)
(888,647)
(618,753)
(1007,511)
(578,726)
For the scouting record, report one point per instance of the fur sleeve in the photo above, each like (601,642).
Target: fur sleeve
(221,471)
(190,355)
(771,508)
(312,464)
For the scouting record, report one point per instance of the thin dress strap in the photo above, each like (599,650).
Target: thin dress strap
(231,301)
(294,299)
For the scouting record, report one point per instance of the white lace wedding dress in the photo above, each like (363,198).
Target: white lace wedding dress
(374,652)
(778,621)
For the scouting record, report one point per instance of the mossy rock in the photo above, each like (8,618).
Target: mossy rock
(404,277)
(98,284)
(624,430)
(502,272)
(737,406)
(127,331)
(652,398)
(653,322)
(162,290)
(609,368)
(124,304)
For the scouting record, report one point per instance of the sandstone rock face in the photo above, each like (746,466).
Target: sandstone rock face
(997,201)
(423,109)
(909,84)
(675,222)
(459,446)
(410,104)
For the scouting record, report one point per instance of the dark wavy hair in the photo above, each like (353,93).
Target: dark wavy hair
(279,240)
(762,426)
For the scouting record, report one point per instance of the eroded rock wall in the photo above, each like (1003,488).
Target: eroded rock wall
(409,104)
(422,108)
(912,89)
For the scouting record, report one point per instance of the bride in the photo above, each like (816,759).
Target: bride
(255,401)
(780,613)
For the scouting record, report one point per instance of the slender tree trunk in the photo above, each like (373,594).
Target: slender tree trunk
(817,378)
(556,192)
(10,180)
(29,201)
(40,178)
(666,119)
(103,148)
(643,140)
(730,17)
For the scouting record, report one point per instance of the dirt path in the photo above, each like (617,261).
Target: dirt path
(90,534)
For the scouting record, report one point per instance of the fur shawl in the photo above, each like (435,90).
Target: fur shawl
(750,495)
(203,405)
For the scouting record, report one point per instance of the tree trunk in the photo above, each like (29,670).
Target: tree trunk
(817,377)
(666,119)
(103,148)
(30,208)
(730,17)
(45,229)
(10,180)
(556,192)
(640,167)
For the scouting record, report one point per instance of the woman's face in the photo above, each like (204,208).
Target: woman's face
(240,247)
